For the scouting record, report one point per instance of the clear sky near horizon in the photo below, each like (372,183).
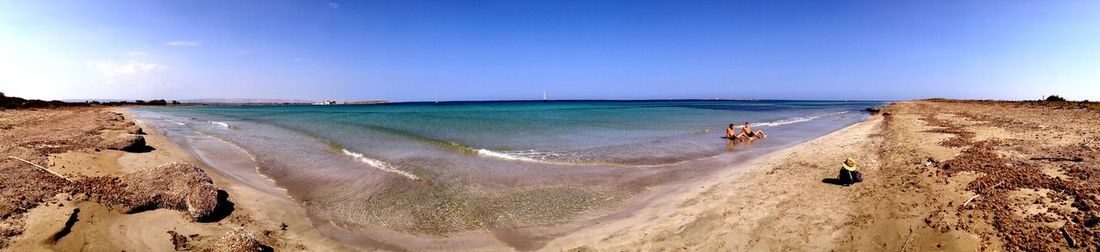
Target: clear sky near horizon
(490,50)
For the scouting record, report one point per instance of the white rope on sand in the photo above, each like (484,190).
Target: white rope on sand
(907,237)
(40,167)
(971,198)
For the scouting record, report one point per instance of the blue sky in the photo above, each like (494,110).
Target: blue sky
(486,50)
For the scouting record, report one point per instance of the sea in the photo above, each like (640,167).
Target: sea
(438,168)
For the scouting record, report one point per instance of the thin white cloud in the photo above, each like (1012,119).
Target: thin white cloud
(184,43)
(137,53)
(132,67)
(334,5)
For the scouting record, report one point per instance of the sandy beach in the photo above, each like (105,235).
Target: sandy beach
(41,213)
(939,175)
(955,176)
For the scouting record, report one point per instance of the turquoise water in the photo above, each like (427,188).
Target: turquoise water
(438,168)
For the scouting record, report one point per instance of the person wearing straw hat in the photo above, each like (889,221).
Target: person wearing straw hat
(849,172)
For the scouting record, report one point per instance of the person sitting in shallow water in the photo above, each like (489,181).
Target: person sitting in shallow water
(731,133)
(746,132)
(849,173)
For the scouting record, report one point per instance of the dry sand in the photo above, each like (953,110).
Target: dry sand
(939,175)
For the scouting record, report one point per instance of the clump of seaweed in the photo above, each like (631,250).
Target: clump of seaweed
(178,186)
(1003,174)
(239,240)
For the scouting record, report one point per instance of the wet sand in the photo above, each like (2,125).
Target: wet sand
(939,175)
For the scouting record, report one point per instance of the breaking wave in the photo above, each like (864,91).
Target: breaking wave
(799,119)
(506,156)
(174,121)
(378,164)
(226,125)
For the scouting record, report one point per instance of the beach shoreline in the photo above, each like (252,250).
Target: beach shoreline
(651,180)
(924,189)
(268,211)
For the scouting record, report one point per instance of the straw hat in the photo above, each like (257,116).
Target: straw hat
(850,164)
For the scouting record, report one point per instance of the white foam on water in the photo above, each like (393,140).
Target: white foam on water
(379,164)
(499,155)
(174,121)
(799,119)
(226,125)
(556,158)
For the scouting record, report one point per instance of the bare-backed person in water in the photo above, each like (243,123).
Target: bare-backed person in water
(731,133)
(746,132)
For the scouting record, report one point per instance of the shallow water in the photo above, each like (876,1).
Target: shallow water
(439,168)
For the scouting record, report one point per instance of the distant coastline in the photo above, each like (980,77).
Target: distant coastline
(332,102)
(219,102)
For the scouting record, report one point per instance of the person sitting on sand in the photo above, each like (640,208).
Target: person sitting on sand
(849,173)
(746,131)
